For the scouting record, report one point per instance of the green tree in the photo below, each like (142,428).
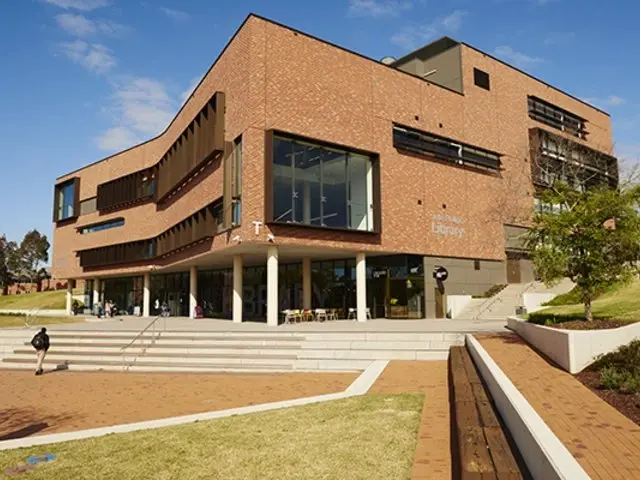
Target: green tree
(7,259)
(590,237)
(32,253)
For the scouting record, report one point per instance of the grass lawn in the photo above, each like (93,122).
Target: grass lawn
(367,437)
(27,301)
(622,303)
(7,321)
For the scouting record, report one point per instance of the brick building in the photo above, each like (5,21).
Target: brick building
(303,175)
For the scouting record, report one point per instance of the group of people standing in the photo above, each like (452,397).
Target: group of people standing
(109,309)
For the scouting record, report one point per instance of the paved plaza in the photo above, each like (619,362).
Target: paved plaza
(605,442)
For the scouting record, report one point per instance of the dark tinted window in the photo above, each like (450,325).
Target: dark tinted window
(481,79)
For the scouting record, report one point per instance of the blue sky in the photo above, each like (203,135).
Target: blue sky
(82,79)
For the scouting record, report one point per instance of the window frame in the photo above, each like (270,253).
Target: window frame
(478,79)
(58,198)
(373,193)
(430,145)
(107,224)
(556,117)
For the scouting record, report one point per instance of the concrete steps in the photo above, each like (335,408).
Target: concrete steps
(174,351)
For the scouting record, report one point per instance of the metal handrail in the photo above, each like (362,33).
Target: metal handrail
(152,325)
(31,313)
(495,299)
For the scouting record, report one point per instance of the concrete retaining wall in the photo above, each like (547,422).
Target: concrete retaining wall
(573,350)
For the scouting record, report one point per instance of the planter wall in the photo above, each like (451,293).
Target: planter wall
(456,304)
(533,301)
(573,350)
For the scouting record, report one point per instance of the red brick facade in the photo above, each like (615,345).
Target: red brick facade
(277,78)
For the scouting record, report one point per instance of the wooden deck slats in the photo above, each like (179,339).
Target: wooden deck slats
(483,449)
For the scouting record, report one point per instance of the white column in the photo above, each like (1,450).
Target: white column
(146,296)
(96,292)
(361,286)
(237,289)
(272,286)
(193,290)
(69,296)
(306,283)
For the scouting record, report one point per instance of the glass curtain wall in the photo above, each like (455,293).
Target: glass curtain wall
(215,290)
(172,288)
(321,186)
(126,293)
(334,285)
(395,286)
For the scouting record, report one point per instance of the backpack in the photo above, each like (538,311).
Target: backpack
(38,342)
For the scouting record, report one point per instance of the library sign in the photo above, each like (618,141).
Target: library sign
(447,226)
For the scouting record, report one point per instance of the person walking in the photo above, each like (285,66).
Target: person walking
(40,342)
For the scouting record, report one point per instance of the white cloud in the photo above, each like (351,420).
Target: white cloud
(92,56)
(82,5)
(378,8)
(117,138)
(80,26)
(141,108)
(615,100)
(192,86)
(175,14)
(517,59)
(610,101)
(413,36)
(559,38)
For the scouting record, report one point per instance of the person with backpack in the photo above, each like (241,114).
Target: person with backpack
(41,343)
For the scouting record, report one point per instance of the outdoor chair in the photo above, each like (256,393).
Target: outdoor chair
(321,314)
(290,316)
(307,315)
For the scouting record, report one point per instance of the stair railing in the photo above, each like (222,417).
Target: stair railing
(498,298)
(152,340)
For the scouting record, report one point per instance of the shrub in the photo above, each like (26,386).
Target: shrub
(620,370)
(548,318)
(496,289)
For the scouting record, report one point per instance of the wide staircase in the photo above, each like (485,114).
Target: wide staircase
(206,351)
(504,303)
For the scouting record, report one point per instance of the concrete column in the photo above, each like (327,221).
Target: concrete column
(193,290)
(272,286)
(237,289)
(146,296)
(96,293)
(69,296)
(306,282)
(361,286)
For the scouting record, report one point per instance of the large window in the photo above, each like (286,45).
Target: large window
(321,186)
(556,117)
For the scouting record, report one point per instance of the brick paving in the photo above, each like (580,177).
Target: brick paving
(67,401)
(605,442)
(433,452)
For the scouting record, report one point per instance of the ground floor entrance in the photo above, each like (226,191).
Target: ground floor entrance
(273,283)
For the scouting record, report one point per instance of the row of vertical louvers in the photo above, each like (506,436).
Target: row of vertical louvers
(199,142)
(196,228)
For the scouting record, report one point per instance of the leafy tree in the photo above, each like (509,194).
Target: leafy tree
(32,253)
(592,237)
(7,256)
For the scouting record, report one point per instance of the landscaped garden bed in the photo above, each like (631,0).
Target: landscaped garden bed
(616,379)
(594,325)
